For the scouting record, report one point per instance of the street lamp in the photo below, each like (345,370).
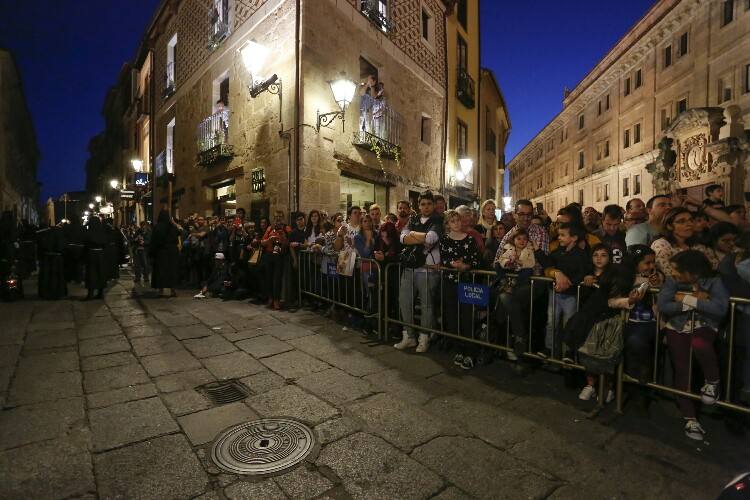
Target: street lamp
(114,183)
(91,206)
(254,56)
(137,164)
(343,92)
(98,199)
(465,165)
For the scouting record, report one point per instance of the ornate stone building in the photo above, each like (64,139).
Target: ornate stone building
(19,189)
(666,108)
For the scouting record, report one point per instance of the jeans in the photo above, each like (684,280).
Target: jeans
(425,283)
(639,349)
(564,308)
(140,264)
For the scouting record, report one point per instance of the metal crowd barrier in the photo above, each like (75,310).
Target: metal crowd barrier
(725,384)
(348,293)
(360,293)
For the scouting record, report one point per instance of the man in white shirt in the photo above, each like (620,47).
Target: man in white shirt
(420,274)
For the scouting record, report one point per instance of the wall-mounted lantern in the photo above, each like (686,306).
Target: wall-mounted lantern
(254,56)
(343,93)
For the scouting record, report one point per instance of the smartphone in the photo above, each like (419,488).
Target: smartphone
(643,287)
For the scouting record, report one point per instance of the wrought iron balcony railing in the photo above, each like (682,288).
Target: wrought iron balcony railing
(218,31)
(465,88)
(169,83)
(212,137)
(379,128)
(377,12)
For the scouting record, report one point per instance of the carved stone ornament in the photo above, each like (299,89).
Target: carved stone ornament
(694,161)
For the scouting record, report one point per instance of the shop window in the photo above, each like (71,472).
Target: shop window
(356,192)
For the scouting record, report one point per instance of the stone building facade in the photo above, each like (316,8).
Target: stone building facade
(493,135)
(666,108)
(19,189)
(268,151)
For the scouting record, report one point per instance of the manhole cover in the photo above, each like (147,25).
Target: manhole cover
(265,446)
(228,391)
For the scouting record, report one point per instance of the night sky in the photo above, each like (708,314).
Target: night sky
(70,53)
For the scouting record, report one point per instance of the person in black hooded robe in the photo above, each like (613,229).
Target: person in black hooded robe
(164,254)
(8,244)
(51,244)
(111,253)
(73,254)
(95,242)
(28,248)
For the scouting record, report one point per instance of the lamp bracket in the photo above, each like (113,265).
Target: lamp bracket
(272,85)
(325,119)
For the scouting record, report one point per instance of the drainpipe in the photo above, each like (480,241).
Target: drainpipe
(444,152)
(151,128)
(297,101)
(479,171)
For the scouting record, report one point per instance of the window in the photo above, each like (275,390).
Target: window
(462,51)
(599,108)
(220,91)
(360,193)
(725,91)
(682,105)
(606,103)
(567,170)
(606,192)
(626,186)
(169,83)
(598,195)
(626,139)
(606,148)
(626,86)
(462,139)
(665,118)
(580,121)
(426,130)
(428,27)
(599,150)
(462,12)
(636,133)
(637,184)
(580,196)
(638,78)
(727,12)
(747,76)
(682,48)
(667,56)
(580,160)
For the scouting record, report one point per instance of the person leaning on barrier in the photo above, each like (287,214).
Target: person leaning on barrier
(520,298)
(693,302)
(420,276)
(678,235)
(646,232)
(610,233)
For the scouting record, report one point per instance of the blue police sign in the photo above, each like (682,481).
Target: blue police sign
(474,294)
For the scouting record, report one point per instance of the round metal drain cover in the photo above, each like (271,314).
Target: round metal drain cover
(265,446)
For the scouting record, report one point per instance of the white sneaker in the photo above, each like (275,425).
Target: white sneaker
(587,393)
(424,342)
(199,295)
(693,430)
(709,393)
(511,356)
(610,396)
(406,342)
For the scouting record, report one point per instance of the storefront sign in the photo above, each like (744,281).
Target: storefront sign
(473,294)
(258,177)
(141,179)
(127,194)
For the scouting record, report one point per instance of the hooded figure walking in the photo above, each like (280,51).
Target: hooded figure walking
(95,242)
(164,254)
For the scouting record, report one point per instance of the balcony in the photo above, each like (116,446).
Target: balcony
(465,88)
(169,84)
(379,128)
(377,12)
(212,136)
(218,25)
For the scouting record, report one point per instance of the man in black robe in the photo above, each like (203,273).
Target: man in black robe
(51,244)
(73,254)
(95,242)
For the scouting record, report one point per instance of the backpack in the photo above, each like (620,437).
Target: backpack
(602,351)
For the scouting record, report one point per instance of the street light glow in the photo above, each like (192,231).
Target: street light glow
(114,183)
(254,57)
(343,92)
(137,164)
(91,206)
(98,199)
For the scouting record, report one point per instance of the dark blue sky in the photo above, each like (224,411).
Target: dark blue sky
(70,52)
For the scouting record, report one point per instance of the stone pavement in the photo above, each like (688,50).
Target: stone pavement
(98,401)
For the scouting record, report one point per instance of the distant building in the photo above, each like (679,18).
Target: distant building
(19,189)
(666,108)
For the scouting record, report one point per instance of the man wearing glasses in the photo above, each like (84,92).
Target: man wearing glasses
(517,306)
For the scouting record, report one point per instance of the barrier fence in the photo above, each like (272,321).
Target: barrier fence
(468,310)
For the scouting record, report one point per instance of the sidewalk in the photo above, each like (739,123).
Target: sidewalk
(98,402)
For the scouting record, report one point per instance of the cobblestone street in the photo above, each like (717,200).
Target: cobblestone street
(98,402)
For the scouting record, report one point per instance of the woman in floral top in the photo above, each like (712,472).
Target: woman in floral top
(458,251)
(678,236)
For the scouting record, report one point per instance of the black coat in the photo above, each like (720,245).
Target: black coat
(164,254)
(52,283)
(95,242)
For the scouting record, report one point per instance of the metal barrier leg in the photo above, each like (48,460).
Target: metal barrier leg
(618,388)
